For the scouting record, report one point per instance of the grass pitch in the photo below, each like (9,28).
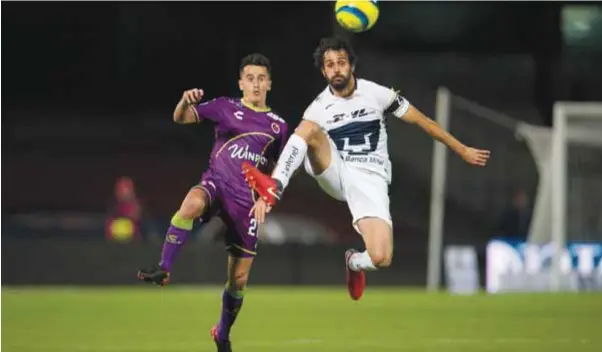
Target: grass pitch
(296,319)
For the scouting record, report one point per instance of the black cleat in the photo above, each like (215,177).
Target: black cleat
(154,274)
(222,346)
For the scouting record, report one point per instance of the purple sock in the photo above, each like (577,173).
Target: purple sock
(174,240)
(231,304)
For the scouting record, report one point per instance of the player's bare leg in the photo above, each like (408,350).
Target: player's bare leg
(232,299)
(194,205)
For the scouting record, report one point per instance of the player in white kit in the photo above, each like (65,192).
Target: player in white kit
(342,140)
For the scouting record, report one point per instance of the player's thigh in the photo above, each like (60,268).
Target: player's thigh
(367,195)
(242,229)
(328,175)
(238,271)
(195,203)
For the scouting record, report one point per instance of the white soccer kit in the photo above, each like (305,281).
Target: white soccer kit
(360,168)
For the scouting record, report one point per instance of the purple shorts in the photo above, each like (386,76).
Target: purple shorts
(232,200)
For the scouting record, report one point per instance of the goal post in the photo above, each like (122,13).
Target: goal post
(437,207)
(576,137)
(561,166)
(468,201)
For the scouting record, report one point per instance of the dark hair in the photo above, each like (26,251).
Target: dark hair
(336,44)
(256,59)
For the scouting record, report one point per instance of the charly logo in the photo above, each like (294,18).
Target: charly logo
(275,127)
(243,153)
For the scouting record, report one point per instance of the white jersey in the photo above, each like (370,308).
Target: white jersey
(356,124)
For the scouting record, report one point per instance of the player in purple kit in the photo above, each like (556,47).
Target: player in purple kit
(245,130)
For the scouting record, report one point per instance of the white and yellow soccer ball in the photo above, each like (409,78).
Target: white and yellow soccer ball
(356,15)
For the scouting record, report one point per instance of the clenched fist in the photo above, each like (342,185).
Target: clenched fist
(193,96)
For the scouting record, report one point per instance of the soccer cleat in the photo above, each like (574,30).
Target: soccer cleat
(356,280)
(155,274)
(222,346)
(268,188)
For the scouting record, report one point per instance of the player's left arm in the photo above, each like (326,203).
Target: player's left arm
(401,108)
(470,155)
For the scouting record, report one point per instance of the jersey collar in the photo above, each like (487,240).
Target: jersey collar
(249,106)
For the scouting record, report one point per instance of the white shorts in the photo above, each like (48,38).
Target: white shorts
(366,193)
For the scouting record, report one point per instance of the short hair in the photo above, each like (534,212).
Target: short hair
(256,59)
(336,44)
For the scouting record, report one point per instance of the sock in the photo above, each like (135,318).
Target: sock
(174,240)
(231,304)
(361,261)
(290,159)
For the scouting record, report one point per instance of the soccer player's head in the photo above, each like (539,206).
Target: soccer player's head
(255,78)
(336,59)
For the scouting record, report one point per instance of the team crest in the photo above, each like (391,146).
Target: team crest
(275,127)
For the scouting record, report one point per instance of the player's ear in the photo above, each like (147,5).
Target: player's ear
(353,68)
(240,84)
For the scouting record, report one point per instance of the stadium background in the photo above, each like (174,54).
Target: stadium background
(89,89)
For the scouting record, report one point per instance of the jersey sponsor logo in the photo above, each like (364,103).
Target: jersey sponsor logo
(239,115)
(357,138)
(352,115)
(243,153)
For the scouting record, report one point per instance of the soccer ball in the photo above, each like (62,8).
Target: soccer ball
(356,15)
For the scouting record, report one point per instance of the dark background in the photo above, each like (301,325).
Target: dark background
(89,89)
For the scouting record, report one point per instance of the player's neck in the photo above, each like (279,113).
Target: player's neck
(258,106)
(348,90)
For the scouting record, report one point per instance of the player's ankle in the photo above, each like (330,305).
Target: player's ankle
(361,261)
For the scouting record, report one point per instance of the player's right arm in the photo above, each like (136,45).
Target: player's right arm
(184,112)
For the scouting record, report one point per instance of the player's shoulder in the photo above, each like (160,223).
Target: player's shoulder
(372,87)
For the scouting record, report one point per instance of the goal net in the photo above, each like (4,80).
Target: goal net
(536,208)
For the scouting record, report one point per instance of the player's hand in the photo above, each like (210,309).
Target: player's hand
(476,157)
(193,96)
(259,210)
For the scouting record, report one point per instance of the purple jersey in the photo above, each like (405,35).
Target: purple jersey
(241,134)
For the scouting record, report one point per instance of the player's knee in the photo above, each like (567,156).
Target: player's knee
(238,282)
(310,132)
(192,207)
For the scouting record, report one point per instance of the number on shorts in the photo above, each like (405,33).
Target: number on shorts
(252,228)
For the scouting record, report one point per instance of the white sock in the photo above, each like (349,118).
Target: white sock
(290,159)
(361,261)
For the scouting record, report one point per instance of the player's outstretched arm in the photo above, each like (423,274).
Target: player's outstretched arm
(184,111)
(470,155)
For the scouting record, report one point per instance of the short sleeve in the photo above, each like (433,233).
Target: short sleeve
(390,101)
(209,110)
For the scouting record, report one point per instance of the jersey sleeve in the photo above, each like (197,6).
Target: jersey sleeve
(390,101)
(208,110)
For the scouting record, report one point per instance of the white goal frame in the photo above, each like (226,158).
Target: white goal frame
(562,134)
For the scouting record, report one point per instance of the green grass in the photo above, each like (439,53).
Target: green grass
(296,319)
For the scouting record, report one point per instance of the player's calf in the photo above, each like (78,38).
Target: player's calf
(378,239)
(180,227)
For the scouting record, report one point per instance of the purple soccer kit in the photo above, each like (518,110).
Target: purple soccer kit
(241,134)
